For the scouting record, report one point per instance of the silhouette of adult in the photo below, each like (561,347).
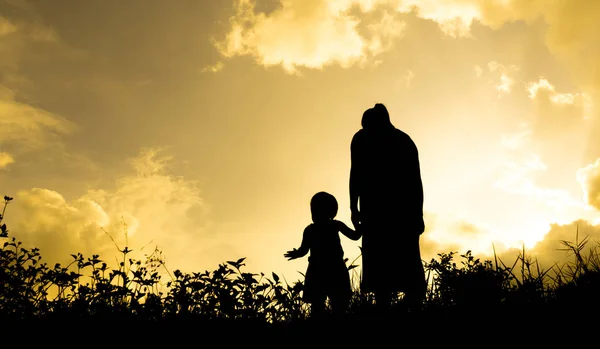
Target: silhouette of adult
(386,199)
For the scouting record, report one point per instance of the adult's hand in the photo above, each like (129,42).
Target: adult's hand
(355,217)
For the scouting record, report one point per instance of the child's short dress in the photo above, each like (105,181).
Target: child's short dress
(326,274)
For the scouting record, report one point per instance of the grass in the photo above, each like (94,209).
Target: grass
(462,294)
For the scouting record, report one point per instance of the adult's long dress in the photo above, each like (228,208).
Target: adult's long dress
(386,175)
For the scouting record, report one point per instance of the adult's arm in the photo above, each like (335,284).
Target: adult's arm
(417,184)
(355,173)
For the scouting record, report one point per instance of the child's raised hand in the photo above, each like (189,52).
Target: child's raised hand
(293,254)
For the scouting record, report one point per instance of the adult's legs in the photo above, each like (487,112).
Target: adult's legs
(383,301)
(339,306)
(414,298)
(416,292)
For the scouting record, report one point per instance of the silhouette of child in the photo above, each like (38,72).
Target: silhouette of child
(326,274)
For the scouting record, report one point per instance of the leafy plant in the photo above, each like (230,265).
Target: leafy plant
(88,287)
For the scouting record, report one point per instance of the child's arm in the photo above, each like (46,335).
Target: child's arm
(349,232)
(304,247)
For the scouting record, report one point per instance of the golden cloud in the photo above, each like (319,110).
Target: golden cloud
(34,137)
(43,218)
(149,207)
(467,228)
(551,251)
(213,68)
(5,159)
(454,17)
(25,128)
(557,113)
(571,35)
(314,33)
(571,29)
(589,178)
(518,176)
(405,81)
(6,27)
(500,76)
(430,248)
(25,36)
(308,33)
(536,148)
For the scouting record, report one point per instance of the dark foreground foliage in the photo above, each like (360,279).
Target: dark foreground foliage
(462,296)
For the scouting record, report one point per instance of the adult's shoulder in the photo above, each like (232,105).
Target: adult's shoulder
(404,138)
(359,134)
(399,133)
(358,137)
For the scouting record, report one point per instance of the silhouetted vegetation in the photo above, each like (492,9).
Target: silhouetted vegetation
(88,288)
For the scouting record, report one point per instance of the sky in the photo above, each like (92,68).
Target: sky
(203,128)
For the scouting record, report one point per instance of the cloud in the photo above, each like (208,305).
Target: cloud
(519,175)
(557,113)
(309,33)
(5,159)
(516,140)
(500,76)
(430,247)
(467,228)
(25,129)
(405,81)
(589,178)
(430,242)
(551,252)
(213,68)
(315,33)
(36,138)
(550,187)
(445,232)
(43,218)
(454,17)
(505,81)
(382,31)
(26,37)
(543,153)
(6,27)
(570,35)
(154,207)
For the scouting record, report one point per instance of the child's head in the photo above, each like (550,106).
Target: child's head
(323,206)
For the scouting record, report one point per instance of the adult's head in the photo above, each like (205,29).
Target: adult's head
(367,119)
(376,118)
(381,118)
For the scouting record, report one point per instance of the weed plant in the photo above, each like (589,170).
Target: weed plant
(87,289)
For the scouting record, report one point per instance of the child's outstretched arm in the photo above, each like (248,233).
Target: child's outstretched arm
(304,247)
(349,232)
